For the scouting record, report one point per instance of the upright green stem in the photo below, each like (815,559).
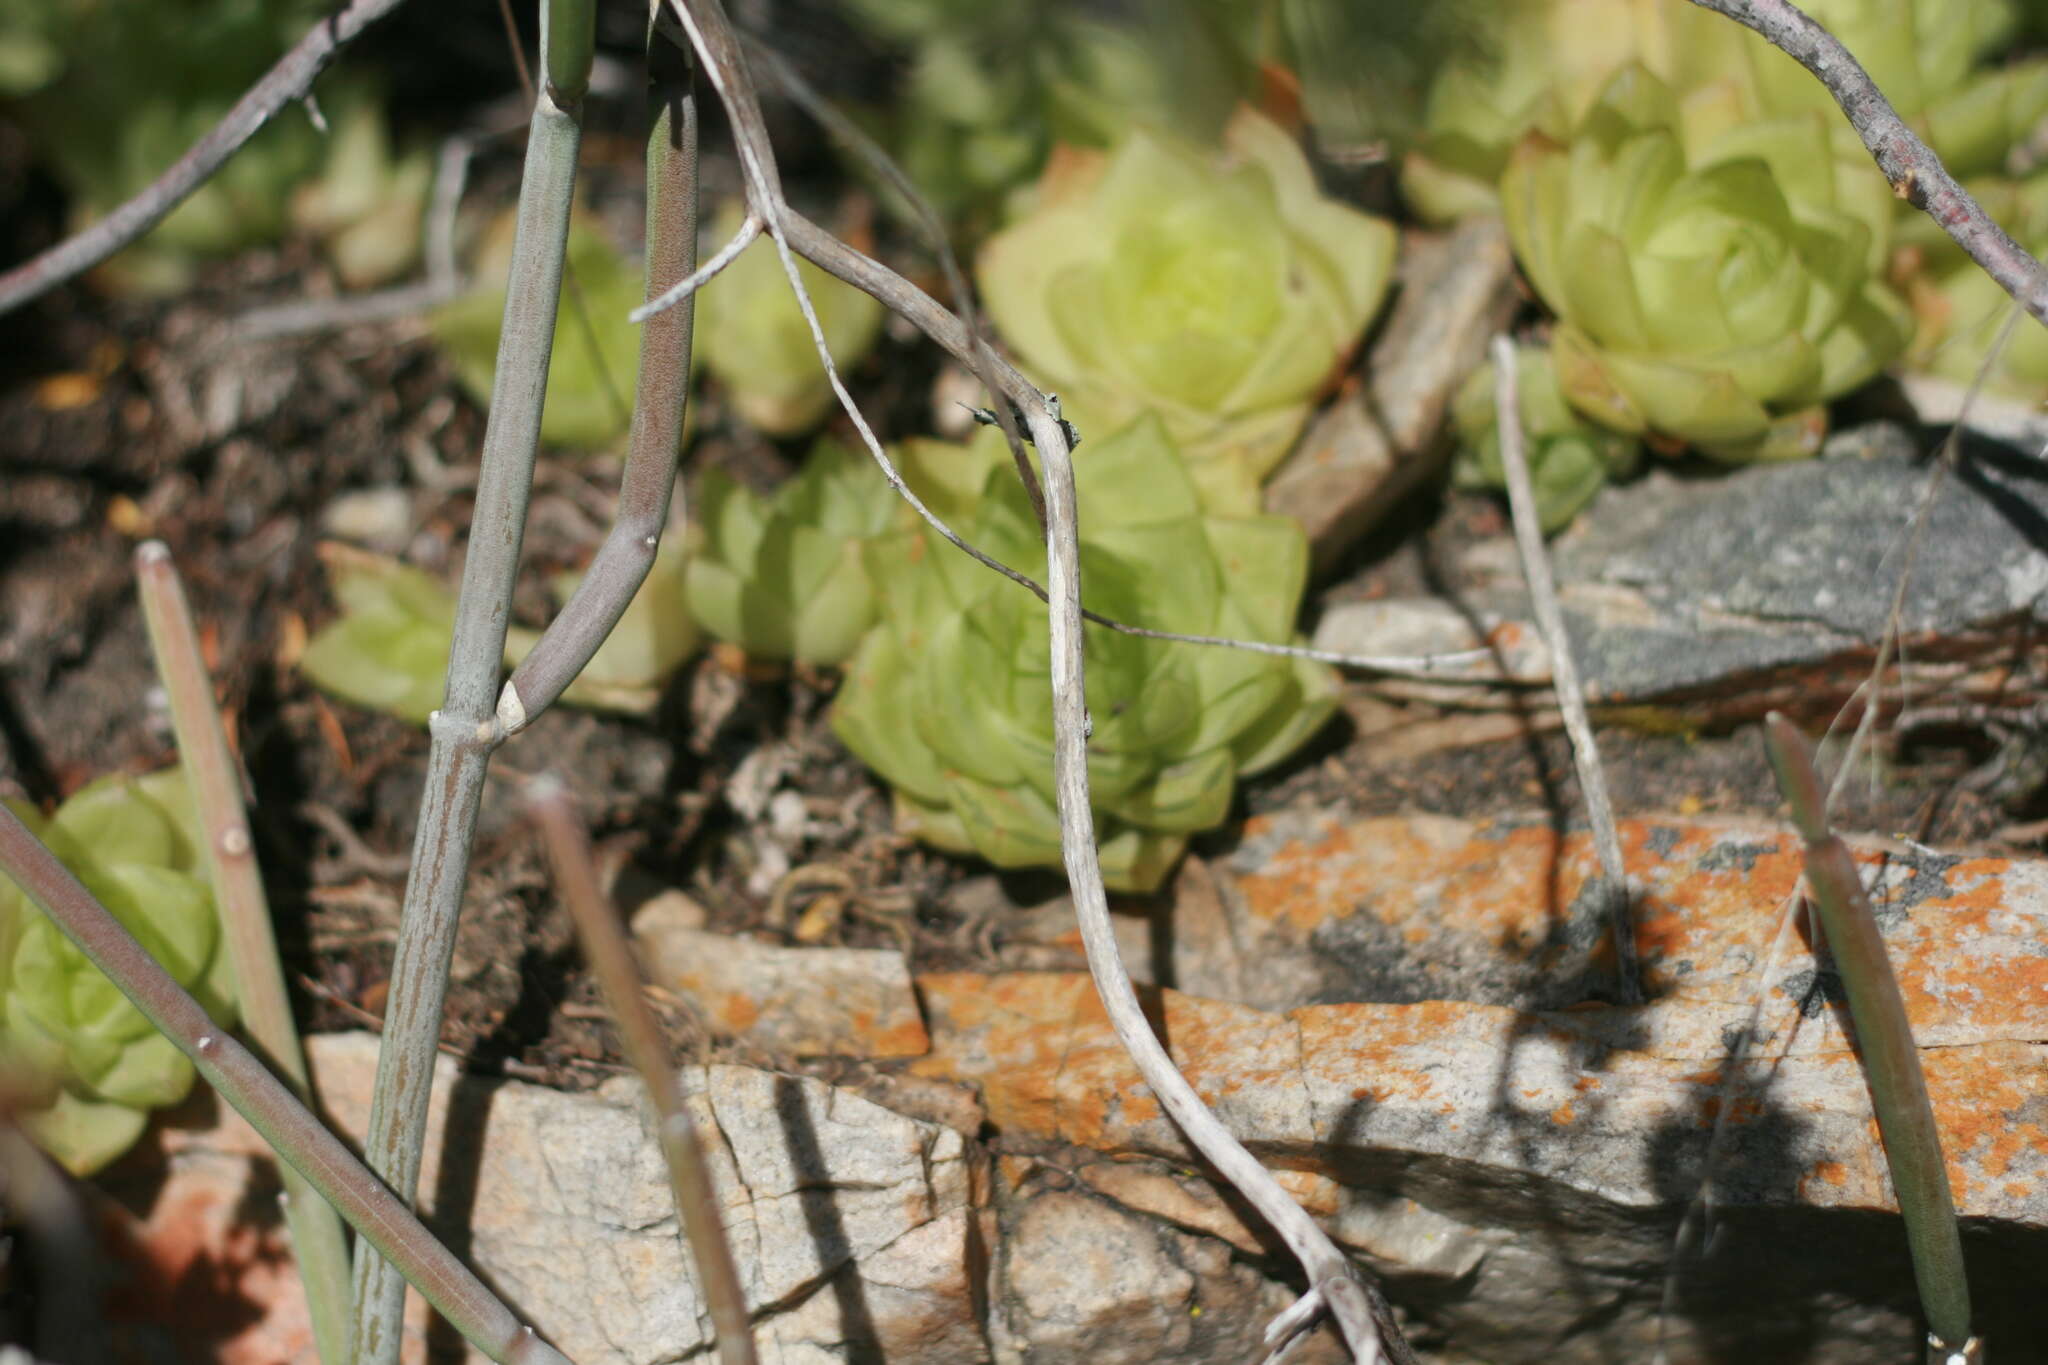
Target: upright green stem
(1884,1040)
(465,730)
(660,399)
(318,1241)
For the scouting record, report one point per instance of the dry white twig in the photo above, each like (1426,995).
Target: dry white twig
(1571,694)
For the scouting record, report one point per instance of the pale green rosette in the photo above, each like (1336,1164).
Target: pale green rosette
(949,697)
(783,577)
(94,1063)
(1220,292)
(1710,289)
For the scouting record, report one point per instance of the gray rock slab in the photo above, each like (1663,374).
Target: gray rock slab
(1762,578)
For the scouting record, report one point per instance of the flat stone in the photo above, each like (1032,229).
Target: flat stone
(1532,1137)
(1379,441)
(1769,586)
(851,1225)
(793,1002)
(1080,1281)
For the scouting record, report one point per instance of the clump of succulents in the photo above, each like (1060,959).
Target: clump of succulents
(755,341)
(1218,290)
(93,1066)
(596,351)
(1570,459)
(1547,61)
(949,696)
(117,90)
(1712,287)
(388,649)
(783,576)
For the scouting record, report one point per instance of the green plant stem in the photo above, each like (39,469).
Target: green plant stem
(380,1216)
(318,1241)
(655,443)
(466,730)
(618,976)
(1884,1039)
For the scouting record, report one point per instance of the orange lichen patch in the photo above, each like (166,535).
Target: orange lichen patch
(903,1037)
(1991,1105)
(730,1011)
(1562,1115)
(1832,1172)
(1013,1027)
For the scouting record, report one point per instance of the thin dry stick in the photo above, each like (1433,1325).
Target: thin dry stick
(1564,669)
(443,282)
(1333,1285)
(381,1217)
(1884,1044)
(316,1232)
(937,238)
(1915,172)
(645,488)
(618,976)
(465,730)
(290,79)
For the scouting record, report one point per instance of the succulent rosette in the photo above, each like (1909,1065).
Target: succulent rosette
(388,649)
(755,341)
(949,697)
(1710,286)
(782,576)
(1220,292)
(1570,458)
(1543,65)
(95,1066)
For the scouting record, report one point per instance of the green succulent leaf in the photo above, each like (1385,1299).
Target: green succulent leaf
(949,696)
(784,577)
(95,1063)
(1217,290)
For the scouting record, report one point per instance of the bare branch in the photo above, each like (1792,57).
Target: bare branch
(1329,1273)
(1915,172)
(1571,694)
(851,135)
(285,82)
(618,975)
(683,290)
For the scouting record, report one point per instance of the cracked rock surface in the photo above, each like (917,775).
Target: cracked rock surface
(1516,1162)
